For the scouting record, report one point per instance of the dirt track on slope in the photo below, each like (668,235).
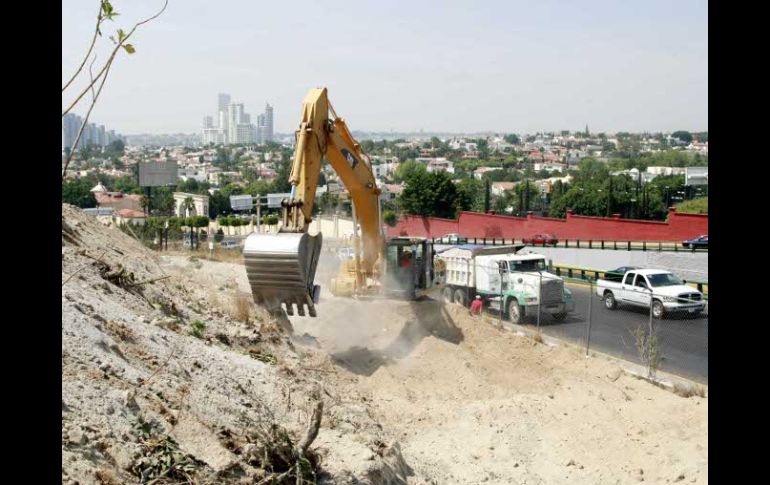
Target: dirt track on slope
(473,403)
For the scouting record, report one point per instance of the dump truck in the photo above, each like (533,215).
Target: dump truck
(515,283)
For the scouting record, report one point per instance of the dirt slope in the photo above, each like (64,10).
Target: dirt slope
(472,403)
(412,392)
(144,399)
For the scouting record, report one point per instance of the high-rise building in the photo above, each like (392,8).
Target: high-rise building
(260,129)
(246,133)
(234,116)
(223,101)
(268,122)
(70,124)
(234,125)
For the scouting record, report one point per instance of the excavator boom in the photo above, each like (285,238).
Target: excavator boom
(281,267)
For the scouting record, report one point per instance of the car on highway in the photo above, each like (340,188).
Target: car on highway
(547,239)
(644,287)
(697,242)
(450,239)
(230,244)
(618,273)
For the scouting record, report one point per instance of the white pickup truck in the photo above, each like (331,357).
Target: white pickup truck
(639,287)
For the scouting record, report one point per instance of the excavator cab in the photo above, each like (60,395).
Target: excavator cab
(409,267)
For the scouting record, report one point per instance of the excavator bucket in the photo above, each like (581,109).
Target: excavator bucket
(281,270)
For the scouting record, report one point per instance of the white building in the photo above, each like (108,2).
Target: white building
(441,165)
(666,170)
(200,203)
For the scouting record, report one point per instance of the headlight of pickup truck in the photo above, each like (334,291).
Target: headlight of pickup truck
(530,300)
(669,299)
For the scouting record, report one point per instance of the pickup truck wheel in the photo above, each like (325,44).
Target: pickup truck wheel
(460,297)
(559,317)
(657,309)
(514,311)
(609,301)
(447,294)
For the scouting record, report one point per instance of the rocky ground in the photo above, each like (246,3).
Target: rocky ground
(172,376)
(169,372)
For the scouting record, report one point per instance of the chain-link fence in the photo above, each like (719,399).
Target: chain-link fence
(664,328)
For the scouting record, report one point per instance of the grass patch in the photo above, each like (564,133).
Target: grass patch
(197,328)
(241,307)
(538,337)
(161,460)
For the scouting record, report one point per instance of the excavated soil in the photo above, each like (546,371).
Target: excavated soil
(413,392)
(168,378)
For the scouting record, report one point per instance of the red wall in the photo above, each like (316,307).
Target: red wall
(474,224)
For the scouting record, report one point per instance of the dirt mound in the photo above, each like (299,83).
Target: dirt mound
(168,376)
(472,402)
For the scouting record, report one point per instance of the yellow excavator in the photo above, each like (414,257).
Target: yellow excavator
(281,267)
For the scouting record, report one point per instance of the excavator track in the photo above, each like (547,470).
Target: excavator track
(281,270)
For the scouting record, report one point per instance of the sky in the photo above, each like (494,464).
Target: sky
(404,66)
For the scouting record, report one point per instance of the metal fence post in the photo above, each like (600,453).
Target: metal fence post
(539,299)
(649,341)
(500,268)
(590,301)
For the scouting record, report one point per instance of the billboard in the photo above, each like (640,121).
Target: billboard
(274,200)
(241,202)
(157,174)
(696,176)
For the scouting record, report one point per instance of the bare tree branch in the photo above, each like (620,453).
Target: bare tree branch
(91,74)
(118,45)
(85,122)
(99,20)
(103,76)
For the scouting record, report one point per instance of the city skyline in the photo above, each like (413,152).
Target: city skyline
(233,124)
(498,67)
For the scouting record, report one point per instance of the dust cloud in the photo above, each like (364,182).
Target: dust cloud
(367,333)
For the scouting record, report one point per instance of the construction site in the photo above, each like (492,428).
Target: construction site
(172,374)
(284,363)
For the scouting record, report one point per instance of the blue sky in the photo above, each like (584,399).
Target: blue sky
(504,66)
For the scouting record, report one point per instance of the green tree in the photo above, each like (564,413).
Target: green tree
(389,217)
(470,195)
(429,194)
(694,206)
(407,170)
(512,139)
(78,192)
(682,135)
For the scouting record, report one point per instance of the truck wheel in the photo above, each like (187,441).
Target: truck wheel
(460,297)
(658,311)
(514,311)
(447,294)
(609,301)
(559,317)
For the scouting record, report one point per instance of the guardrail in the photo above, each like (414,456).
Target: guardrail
(672,246)
(586,274)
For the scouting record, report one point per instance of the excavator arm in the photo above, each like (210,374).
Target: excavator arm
(281,267)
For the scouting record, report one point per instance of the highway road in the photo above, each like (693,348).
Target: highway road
(683,340)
